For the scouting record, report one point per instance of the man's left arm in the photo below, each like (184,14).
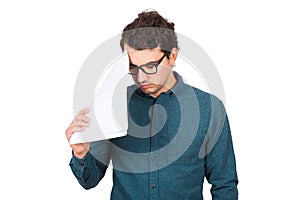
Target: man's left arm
(220,161)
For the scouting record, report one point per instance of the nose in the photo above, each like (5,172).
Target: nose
(141,76)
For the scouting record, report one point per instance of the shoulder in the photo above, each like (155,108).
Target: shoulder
(206,97)
(208,102)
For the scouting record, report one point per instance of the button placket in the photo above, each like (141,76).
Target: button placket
(153,181)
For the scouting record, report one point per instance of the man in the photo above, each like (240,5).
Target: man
(177,134)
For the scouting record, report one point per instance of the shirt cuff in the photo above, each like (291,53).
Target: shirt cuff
(86,161)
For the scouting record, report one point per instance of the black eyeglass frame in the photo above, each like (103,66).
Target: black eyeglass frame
(140,67)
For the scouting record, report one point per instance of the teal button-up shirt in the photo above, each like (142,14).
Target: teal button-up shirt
(173,143)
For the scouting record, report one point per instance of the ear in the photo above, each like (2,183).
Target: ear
(173,56)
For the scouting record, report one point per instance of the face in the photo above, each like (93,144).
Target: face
(162,80)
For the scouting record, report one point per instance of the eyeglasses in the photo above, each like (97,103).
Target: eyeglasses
(149,68)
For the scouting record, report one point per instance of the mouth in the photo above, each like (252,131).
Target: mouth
(146,86)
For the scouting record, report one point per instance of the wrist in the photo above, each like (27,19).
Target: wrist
(80,155)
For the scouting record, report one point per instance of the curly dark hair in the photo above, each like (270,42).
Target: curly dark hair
(150,30)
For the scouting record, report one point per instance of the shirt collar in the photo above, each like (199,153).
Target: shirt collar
(179,86)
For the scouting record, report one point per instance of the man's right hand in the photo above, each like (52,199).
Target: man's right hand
(80,122)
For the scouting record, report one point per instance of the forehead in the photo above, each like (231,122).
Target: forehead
(139,57)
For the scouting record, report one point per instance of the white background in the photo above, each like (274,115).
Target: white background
(255,46)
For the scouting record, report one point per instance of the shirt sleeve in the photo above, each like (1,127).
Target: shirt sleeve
(220,161)
(91,169)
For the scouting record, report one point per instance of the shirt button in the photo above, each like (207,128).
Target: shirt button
(152,158)
(81,163)
(153,186)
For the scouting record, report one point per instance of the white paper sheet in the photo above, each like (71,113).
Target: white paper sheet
(109,109)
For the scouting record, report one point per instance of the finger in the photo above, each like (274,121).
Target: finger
(69,136)
(69,133)
(82,118)
(80,123)
(72,129)
(77,129)
(84,111)
(86,119)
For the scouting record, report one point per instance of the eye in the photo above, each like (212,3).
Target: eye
(150,66)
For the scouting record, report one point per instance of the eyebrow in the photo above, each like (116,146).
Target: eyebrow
(151,62)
